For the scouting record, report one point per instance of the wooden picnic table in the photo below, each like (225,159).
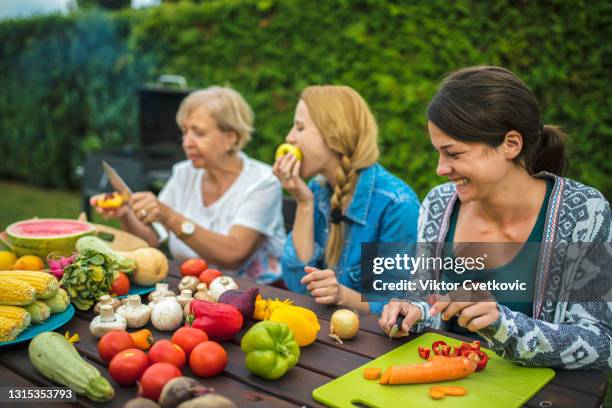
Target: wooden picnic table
(319,363)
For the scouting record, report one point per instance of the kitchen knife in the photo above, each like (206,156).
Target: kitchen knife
(125,192)
(396,327)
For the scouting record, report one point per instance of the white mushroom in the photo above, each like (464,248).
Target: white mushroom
(185,297)
(189,282)
(135,313)
(167,314)
(106,300)
(220,285)
(106,322)
(162,289)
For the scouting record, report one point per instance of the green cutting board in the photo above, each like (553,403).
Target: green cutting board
(501,384)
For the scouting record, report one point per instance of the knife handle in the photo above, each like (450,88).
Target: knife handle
(160,231)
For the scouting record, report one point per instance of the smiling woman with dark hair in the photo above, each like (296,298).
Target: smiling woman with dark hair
(505,168)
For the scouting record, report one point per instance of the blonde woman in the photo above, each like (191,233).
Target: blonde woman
(353,200)
(219,204)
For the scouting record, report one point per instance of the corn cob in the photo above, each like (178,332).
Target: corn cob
(9,329)
(46,285)
(39,311)
(59,302)
(16,292)
(16,313)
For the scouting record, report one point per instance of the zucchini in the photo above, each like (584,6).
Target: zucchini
(58,360)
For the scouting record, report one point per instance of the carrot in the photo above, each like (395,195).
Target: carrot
(436,394)
(434,370)
(143,339)
(451,390)
(371,373)
(385,377)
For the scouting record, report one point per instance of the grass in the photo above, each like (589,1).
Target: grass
(20,202)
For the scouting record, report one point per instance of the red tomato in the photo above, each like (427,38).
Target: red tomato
(121,285)
(193,267)
(164,351)
(209,275)
(128,366)
(189,337)
(113,342)
(154,379)
(208,359)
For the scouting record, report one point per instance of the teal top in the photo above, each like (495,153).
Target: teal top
(522,267)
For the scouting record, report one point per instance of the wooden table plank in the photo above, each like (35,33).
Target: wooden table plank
(9,378)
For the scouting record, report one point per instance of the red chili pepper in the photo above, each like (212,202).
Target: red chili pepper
(424,352)
(436,347)
(475,345)
(456,352)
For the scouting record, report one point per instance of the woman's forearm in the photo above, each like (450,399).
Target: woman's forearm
(225,251)
(132,224)
(303,231)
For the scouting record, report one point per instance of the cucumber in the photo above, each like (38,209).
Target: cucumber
(58,360)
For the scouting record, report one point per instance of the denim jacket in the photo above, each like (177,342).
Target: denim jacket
(383,209)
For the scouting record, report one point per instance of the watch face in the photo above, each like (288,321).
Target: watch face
(187,228)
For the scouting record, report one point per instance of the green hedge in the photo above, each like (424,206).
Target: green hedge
(70,81)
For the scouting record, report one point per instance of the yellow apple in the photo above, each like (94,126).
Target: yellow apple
(288,148)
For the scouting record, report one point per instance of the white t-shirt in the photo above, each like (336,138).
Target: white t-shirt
(254,201)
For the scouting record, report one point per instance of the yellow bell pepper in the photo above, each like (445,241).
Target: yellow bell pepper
(301,321)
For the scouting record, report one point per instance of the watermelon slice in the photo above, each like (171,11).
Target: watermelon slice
(46,235)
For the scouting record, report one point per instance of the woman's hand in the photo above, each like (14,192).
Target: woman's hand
(470,314)
(109,213)
(392,310)
(323,286)
(147,208)
(287,170)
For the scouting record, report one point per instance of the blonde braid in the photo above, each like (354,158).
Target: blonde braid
(346,179)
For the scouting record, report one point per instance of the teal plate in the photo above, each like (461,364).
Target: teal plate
(55,321)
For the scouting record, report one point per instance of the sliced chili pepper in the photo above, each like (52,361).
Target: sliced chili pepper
(456,352)
(445,350)
(484,359)
(472,354)
(424,352)
(436,347)
(475,345)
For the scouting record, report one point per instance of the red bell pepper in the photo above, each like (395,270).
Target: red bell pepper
(424,352)
(220,321)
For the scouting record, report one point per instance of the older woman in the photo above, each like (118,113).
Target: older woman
(505,187)
(219,204)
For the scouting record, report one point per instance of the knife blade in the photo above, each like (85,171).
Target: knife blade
(116,181)
(126,193)
(396,327)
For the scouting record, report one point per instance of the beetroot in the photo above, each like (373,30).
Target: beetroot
(243,300)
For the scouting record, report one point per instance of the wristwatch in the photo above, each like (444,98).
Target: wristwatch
(187,229)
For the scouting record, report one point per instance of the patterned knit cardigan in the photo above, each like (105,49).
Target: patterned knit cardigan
(568,334)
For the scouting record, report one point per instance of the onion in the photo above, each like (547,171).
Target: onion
(343,325)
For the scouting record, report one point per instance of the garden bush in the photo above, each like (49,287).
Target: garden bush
(69,82)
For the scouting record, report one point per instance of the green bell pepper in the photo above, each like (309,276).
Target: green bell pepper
(270,349)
